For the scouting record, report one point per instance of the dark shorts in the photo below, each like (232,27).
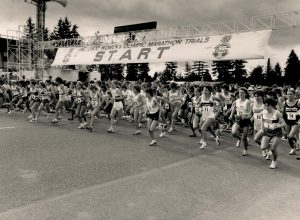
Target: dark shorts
(154,116)
(243,122)
(273,133)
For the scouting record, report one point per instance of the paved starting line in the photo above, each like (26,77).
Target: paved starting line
(3,128)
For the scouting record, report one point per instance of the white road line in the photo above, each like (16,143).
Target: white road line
(7,128)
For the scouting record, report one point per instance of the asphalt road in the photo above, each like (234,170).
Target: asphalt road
(61,172)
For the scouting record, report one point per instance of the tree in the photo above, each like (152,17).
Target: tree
(143,70)
(256,76)
(278,73)
(64,30)
(132,72)
(170,71)
(105,71)
(117,71)
(223,70)
(29,29)
(292,69)
(187,70)
(200,71)
(239,72)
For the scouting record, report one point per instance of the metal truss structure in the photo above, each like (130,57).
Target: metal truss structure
(19,52)
(278,21)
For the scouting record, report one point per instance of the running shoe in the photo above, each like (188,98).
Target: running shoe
(137,132)
(201,141)
(110,130)
(9,112)
(81,126)
(238,143)
(54,121)
(203,146)
(90,128)
(264,153)
(85,124)
(192,135)
(30,116)
(284,137)
(292,152)
(153,143)
(273,165)
(140,125)
(163,134)
(297,147)
(245,153)
(170,130)
(269,154)
(33,121)
(298,158)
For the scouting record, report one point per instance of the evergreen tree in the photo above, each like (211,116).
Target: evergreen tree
(223,70)
(117,71)
(105,71)
(132,72)
(143,70)
(29,29)
(170,71)
(278,73)
(199,68)
(256,76)
(292,69)
(64,30)
(239,72)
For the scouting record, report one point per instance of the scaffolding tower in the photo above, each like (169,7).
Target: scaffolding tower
(19,51)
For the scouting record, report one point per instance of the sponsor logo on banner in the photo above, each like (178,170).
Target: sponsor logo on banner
(222,49)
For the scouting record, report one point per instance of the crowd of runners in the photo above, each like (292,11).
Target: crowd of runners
(269,113)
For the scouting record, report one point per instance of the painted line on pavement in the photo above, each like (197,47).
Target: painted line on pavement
(3,128)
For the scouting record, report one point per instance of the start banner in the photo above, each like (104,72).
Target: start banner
(247,45)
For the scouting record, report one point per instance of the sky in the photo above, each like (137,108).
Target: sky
(97,15)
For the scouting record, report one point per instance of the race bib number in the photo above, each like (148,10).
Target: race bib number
(291,116)
(205,108)
(197,109)
(258,116)
(167,106)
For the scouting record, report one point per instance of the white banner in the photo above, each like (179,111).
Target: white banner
(248,45)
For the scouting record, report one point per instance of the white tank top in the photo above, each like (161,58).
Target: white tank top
(257,111)
(270,123)
(207,107)
(151,107)
(241,107)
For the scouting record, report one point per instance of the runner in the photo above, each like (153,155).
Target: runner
(208,108)
(117,108)
(94,103)
(62,91)
(271,126)
(153,114)
(291,117)
(242,113)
